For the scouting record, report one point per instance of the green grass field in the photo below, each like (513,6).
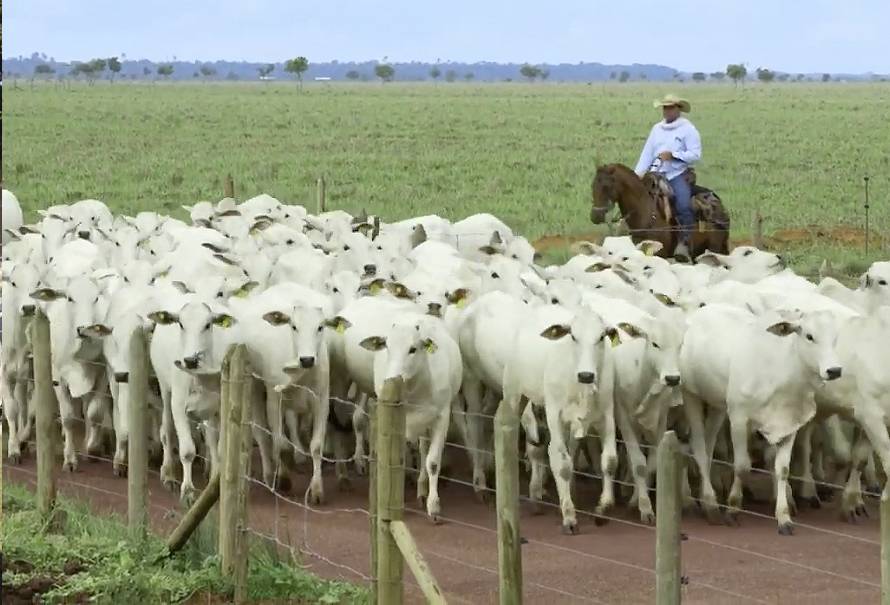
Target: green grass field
(523,152)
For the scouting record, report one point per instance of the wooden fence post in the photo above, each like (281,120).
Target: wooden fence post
(667,531)
(320,192)
(45,412)
(506,460)
(885,550)
(372,492)
(194,516)
(137,444)
(390,490)
(229,190)
(757,230)
(245,449)
(230,462)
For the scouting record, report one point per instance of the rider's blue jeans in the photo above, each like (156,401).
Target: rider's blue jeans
(685,212)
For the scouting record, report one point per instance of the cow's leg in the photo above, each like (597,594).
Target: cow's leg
(535,449)
(211,430)
(782,468)
(184,437)
(360,429)
(95,414)
(472,392)
(804,457)
(433,463)
(12,411)
(872,422)
(69,423)
(168,435)
(262,438)
(274,419)
(423,447)
(120,402)
(608,461)
(738,430)
(637,464)
(694,410)
(561,467)
(871,474)
(321,408)
(852,504)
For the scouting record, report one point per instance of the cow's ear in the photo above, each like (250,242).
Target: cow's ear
(96,331)
(246,288)
(373,343)
(597,267)
(12,234)
(183,289)
(556,331)
(400,290)
(429,345)
(163,318)
(712,259)
(260,225)
(665,299)
(489,250)
(48,295)
(276,318)
(458,297)
(632,330)
(784,328)
(225,213)
(585,248)
(28,229)
(338,324)
(612,335)
(650,247)
(224,320)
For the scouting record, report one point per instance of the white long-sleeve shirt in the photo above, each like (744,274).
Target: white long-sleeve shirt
(680,138)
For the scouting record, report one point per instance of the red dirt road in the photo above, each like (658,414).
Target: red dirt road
(608,564)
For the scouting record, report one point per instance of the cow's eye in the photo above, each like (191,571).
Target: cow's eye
(656,345)
(320,328)
(219,294)
(336,290)
(515,257)
(12,283)
(289,242)
(882,282)
(208,326)
(346,248)
(810,338)
(554,301)
(748,253)
(412,350)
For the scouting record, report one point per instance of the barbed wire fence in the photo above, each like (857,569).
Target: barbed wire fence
(252,510)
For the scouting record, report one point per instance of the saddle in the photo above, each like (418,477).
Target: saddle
(706,203)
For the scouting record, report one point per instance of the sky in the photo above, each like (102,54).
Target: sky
(839,36)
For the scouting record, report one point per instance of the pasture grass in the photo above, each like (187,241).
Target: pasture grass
(525,153)
(94,558)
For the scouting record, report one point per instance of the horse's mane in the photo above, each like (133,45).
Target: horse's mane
(618,168)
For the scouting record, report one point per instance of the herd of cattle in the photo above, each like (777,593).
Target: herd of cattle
(611,348)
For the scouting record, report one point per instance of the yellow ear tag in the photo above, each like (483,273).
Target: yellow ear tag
(615,340)
(253,231)
(374,288)
(430,347)
(341,327)
(226,322)
(650,251)
(241,293)
(461,303)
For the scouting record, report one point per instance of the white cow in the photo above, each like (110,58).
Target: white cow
(562,362)
(762,373)
(190,339)
(12,215)
(418,350)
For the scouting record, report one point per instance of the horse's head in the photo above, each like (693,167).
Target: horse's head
(604,192)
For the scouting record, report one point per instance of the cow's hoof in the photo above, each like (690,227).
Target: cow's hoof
(436,519)
(15,459)
(786,529)
(170,484)
(648,518)
(69,467)
(826,494)
(187,497)
(360,469)
(815,502)
(483,496)
(861,511)
(316,499)
(732,519)
(570,528)
(120,470)
(600,521)
(283,484)
(849,516)
(537,507)
(712,514)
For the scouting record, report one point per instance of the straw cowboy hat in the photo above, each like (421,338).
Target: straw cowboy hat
(683,104)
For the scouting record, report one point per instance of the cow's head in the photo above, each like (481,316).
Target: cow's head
(815,337)
(406,345)
(194,324)
(306,326)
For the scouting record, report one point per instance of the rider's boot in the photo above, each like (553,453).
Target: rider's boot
(681,252)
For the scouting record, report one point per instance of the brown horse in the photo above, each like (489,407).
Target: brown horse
(645,208)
